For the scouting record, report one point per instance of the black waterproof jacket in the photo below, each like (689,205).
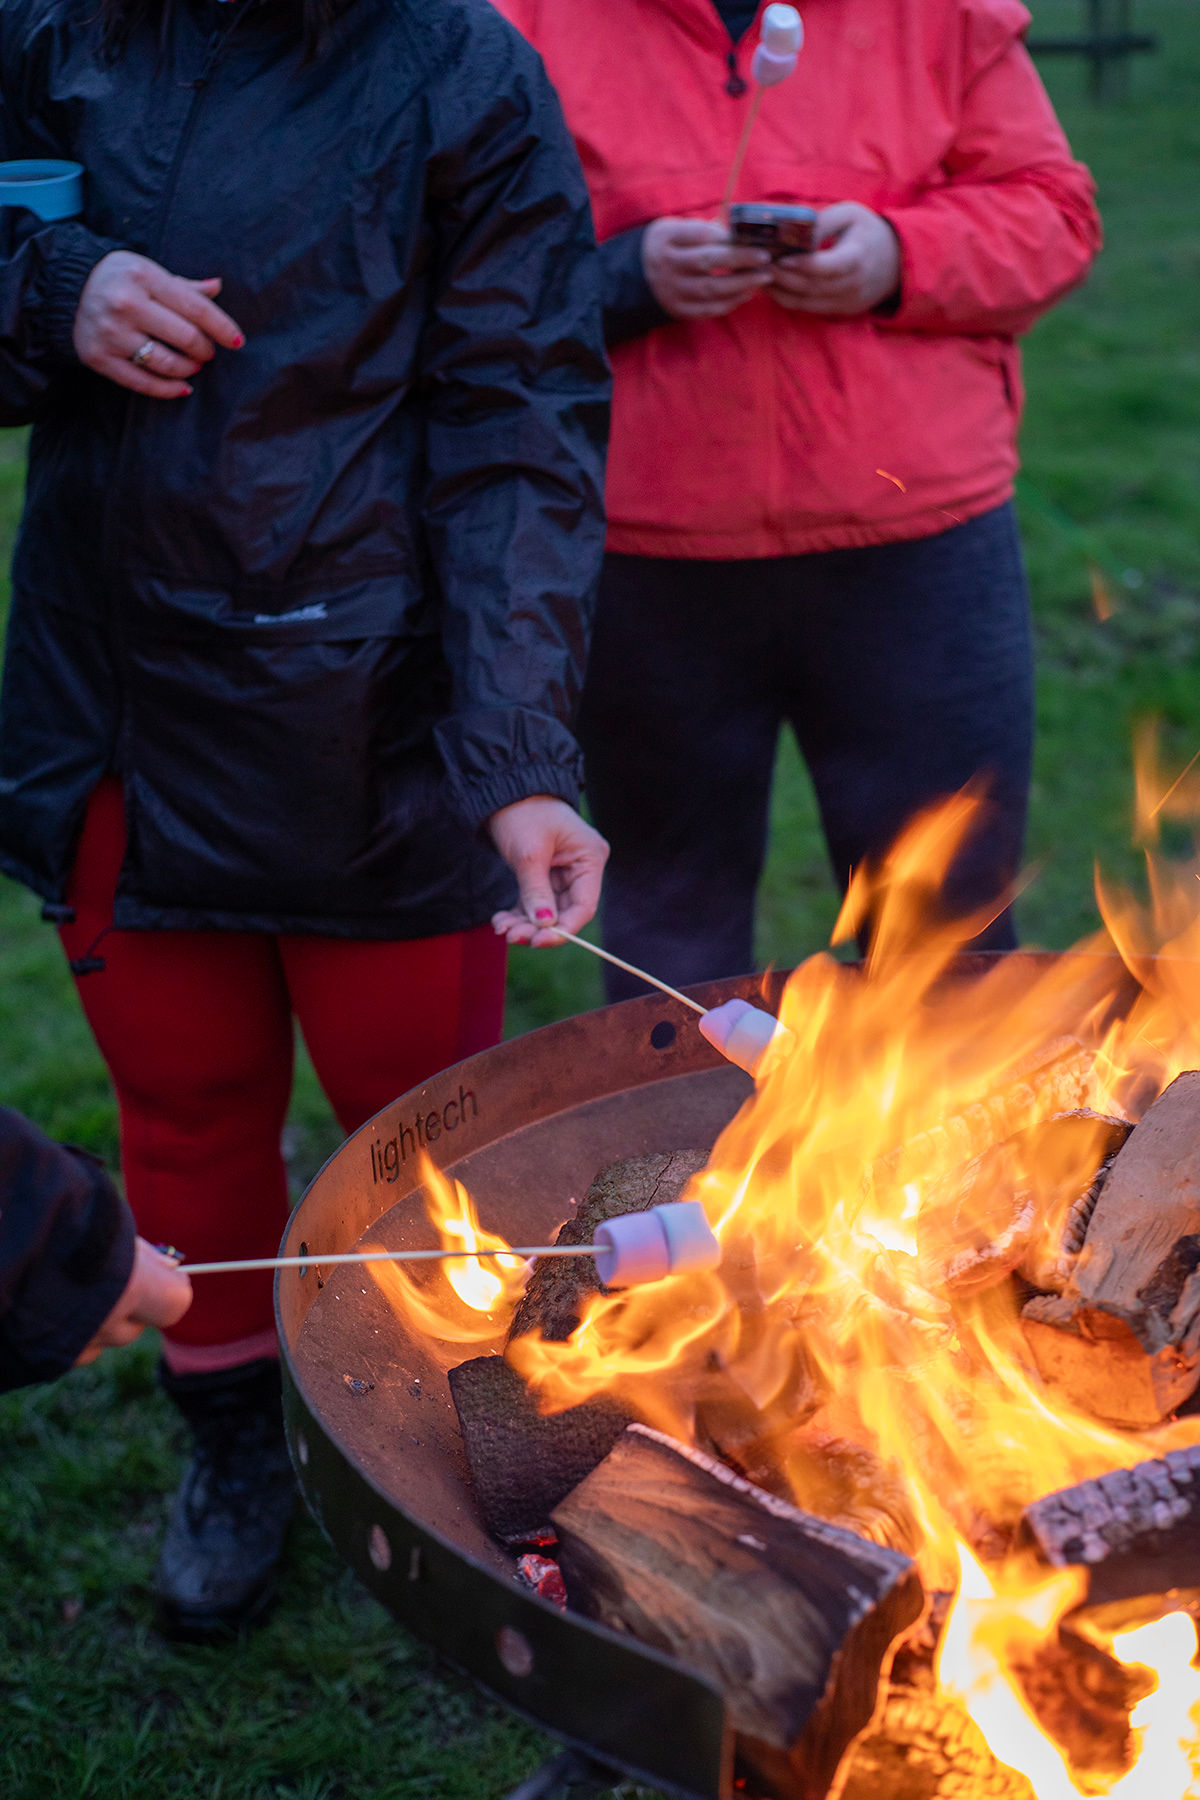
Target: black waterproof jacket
(328,613)
(66,1252)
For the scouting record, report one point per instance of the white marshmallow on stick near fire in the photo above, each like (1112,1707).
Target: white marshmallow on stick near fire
(630,1250)
(775,57)
(778,46)
(648,1246)
(743,1033)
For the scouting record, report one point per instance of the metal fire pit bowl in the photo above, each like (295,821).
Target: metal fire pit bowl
(373,1432)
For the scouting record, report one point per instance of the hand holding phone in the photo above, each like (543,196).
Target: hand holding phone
(858,270)
(695,272)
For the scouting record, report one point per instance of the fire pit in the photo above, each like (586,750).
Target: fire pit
(374,1432)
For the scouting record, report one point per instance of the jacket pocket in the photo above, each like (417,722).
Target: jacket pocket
(276,771)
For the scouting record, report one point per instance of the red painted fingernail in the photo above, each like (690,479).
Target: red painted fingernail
(543,912)
(238,341)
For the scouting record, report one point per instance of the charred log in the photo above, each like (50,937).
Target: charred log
(554,1300)
(523,1461)
(1136,1532)
(794,1619)
(926,1746)
(923,1744)
(1123,1339)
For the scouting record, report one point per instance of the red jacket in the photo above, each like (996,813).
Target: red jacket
(768,433)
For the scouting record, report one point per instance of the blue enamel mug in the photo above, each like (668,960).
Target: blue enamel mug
(52,190)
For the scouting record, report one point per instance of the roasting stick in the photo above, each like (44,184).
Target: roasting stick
(741,1032)
(739,155)
(629,968)
(370,1256)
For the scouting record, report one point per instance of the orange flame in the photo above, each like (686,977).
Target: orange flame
(860,1349)
(995,1625)
(480,1293)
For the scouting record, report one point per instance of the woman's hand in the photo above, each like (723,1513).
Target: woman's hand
(695,272)
(155,1294)
(130,305)
(558,861)
(858,271)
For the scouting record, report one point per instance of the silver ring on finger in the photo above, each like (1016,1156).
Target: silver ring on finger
(143,353)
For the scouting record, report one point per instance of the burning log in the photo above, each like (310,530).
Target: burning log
(923,1744)
(554,1300)
(926,1746)
(1022,1204)
(794,1618)
(1073,1141)
(1054,1080)
(1136,1531)
(522,1461)
(1123,1339)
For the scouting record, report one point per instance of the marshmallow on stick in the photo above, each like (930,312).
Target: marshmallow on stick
(629,1251)
(775,58)
(778,46)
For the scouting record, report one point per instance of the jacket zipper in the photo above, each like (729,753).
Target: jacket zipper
(217,42)
(735,84)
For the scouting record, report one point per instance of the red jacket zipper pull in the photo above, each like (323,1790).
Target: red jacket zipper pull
(735,86)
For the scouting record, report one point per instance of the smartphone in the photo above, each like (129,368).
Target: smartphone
(783,230)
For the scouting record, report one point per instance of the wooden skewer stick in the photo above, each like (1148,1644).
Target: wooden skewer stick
(370,1256)
(739,156)
(629,968)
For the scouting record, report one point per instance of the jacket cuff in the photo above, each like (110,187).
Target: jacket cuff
(75,254)
(630,309)
(476,801)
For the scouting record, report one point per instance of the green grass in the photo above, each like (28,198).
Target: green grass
(331,1701)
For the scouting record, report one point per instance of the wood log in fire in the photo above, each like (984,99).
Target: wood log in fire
(793,1618)
(1023,1204)
(1123,1339)
(1136,1531)
(1052,1080)
(523,1461)
(923,1745)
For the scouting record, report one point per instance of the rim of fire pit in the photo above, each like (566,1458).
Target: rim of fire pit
(372,1430)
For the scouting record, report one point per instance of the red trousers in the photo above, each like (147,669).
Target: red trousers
(196,1029)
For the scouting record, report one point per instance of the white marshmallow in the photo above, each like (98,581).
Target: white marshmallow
(782,30)
(742,1033)
(646,1246)
(778,46)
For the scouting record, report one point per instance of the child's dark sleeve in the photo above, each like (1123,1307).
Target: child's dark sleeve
(66,1252)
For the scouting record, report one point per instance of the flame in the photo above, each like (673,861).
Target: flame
(860,1349)
(480,1293)
(996,1625)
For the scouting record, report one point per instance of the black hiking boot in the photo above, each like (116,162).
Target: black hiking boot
(225,1536)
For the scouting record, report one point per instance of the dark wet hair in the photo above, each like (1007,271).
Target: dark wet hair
(121,18)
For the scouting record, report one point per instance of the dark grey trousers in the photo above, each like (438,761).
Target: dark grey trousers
(904,671)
